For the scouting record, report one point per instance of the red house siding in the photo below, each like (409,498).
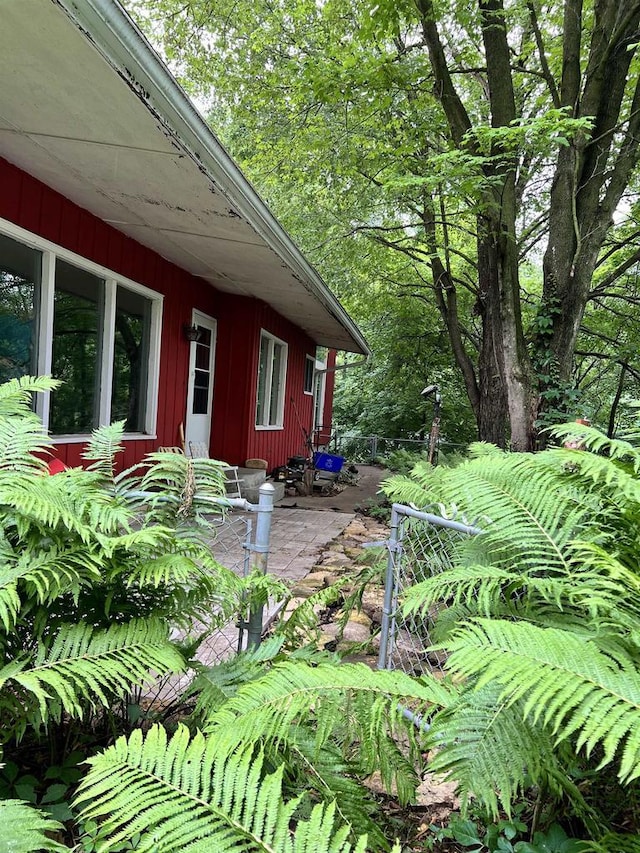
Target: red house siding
(32,205)
(234,436)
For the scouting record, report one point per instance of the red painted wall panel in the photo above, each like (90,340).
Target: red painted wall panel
(240,322)
(34,206)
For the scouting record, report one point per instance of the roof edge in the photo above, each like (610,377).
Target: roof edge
(114,33)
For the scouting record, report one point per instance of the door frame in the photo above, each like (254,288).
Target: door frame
(199,318)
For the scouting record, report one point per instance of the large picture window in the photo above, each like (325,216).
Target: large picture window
(98,334)
(272,373)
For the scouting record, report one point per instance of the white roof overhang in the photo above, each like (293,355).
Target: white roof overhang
(89,108)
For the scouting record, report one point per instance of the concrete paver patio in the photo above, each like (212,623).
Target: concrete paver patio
(297,535)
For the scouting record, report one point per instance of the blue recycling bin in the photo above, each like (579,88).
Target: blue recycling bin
(328,462)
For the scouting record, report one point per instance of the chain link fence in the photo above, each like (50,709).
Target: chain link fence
(368,449)
(420,545)
(240,542)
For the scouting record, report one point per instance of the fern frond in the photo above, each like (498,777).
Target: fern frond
(597,442)
(70,499)
(190,796)
(24,829)
(104,445)
(43,576)
(349,701)
(484,590)
(15,395)
(507,496)
(614,479)
(302,622)
(331,778)
(85,667)
(170,481)
(565,681)
(612,842)
(494,753)
(20,441)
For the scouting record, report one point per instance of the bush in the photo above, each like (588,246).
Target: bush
(541,624)
(97,569)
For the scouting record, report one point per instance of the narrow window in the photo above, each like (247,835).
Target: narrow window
(309,370)
(77,345)
(130,359)
(318,400)
(202,378)
(20,272)
(272,371)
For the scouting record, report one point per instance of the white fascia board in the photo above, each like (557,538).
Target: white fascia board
(126,49)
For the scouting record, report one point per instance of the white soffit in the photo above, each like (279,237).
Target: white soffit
(89,109)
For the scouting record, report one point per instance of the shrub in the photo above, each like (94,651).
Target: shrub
(542,628)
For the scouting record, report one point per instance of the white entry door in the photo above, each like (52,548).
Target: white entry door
(200,390)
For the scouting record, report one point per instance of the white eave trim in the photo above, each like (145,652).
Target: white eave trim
(126,49)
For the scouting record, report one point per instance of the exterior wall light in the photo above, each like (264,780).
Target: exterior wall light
(192,333)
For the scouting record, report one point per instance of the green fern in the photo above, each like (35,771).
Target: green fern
(104,446)
(192,796)
(16,394)
(494,752)
(487,590)
(83,668)
(540,617)
(509,498)
(612,842)
(24,829)
(565,681)
(348,702)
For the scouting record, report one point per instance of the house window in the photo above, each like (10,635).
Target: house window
(20,270)
(65,316)
(77,343)
(272,372)
(309,371)
(318,399)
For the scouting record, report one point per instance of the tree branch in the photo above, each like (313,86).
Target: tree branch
(444,90)
(546,71)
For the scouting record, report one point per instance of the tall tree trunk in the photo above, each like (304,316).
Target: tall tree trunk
(590,175)
(497,250)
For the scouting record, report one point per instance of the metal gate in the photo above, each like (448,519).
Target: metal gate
(420,545)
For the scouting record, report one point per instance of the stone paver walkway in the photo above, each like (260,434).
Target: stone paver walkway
(297,536)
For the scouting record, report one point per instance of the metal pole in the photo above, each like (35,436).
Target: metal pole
(434,436)
(389,589)
(261,551)
(246,568)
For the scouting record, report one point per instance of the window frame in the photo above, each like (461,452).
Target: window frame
(273,341)
(319,392)
(112,280)
(308,387)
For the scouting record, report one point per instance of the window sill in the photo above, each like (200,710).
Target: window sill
(263,428)
(83,439)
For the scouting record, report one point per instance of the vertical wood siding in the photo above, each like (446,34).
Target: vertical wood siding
(36,207)
(234,435)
